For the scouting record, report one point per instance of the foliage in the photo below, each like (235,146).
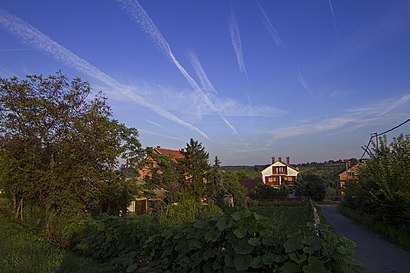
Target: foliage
(23,251)
(60,151)
(222,185)
(383,189)
(285,216)
(193,168)
(399,234)
(238,242)
(161,169)
(186,210)
(326,170)
(267,192)
(313,186)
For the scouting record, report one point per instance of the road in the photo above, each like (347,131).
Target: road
(374,251)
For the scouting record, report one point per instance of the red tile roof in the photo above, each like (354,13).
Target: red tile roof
(174,153)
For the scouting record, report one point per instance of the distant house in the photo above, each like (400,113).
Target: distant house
(141,204)
(173,154)
(279,173)
(344,176)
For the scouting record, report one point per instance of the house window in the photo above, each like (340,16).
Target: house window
(281,169)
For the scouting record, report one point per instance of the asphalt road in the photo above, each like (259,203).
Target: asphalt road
(373,250)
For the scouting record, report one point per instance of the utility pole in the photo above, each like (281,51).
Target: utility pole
(377,140)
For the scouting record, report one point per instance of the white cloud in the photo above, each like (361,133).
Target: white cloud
(355,118)
(31,35)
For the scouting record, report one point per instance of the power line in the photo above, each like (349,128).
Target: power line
(395,127)
(366,150)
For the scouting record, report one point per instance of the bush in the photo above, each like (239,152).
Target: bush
(185,211)
(266,192)
(239,242)
(313,186)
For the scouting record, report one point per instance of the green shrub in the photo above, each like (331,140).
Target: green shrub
(399,234)
(240,242)
(186,210)
(266,192)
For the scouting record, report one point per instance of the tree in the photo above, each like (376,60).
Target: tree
(193,168)
(313,186)
(383,189)
(60,150)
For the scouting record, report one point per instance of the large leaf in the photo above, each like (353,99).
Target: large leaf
(254,241)
(243,247)
(289,268)
(293,244)
(240,232)
(257,262)
(314,266)
(242,262)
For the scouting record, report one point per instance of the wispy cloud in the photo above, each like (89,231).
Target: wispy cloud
(269,26)
(149,132)
(141,17)
(303,82)
(334,20)
(13,49)
(237,43)
(355,118)
(31,35)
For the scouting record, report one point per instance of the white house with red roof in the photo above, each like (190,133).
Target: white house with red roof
(280,173)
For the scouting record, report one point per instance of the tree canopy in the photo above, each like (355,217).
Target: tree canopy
(61,149)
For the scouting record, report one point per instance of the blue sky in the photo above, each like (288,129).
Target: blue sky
(249,79)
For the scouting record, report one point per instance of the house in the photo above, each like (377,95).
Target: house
(344,176)
(142,204)
(173,154)
(279,173)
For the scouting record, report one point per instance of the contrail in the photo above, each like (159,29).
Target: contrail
(304,83)
(31,35)
(334,20)
(200,72)
(141,17)
(269,26)
(237,43)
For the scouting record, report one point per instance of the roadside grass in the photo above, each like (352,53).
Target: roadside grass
(24,251)
(399,235)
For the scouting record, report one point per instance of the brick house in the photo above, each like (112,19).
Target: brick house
(344,176)
(280,173)
(141,204)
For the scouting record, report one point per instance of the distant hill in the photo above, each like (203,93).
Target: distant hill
(327,170)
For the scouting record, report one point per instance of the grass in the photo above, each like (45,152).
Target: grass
(23,251)
(286,216)
(399,235)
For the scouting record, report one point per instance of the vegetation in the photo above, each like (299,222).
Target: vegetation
(382,193)
(60,153)
(311,185)
(266,192)
(23,251)
(285,216)
(240,242)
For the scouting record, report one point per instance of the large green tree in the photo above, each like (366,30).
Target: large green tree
(60,150)
(193,168)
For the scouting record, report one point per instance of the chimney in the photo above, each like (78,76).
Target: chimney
(273,159)
(288,160)
(280,159)
(158,147)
